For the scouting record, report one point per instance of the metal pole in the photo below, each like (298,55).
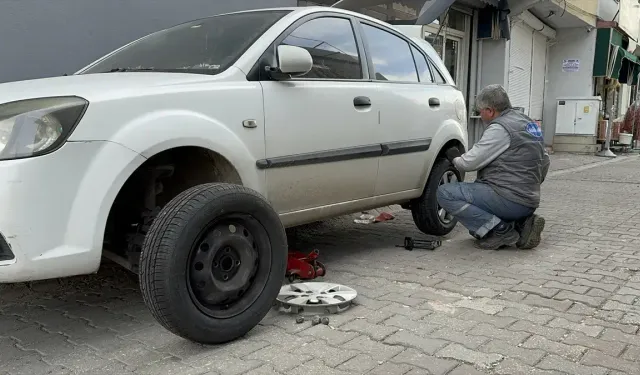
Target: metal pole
(606,152)
(635,107)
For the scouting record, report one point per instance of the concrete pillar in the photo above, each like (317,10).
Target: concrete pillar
(495,63)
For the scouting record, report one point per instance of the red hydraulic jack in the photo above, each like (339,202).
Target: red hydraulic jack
(304,267)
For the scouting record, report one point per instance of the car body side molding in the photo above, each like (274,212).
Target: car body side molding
(360,152)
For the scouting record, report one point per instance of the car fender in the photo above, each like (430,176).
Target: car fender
(158,131)
(137,141)
(104,175)
(450,130)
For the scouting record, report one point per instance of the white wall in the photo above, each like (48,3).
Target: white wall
(572,43)
(607,10)
(629,16)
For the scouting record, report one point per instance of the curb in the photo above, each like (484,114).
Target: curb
(619,159)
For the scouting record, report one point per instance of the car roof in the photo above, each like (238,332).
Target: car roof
(309,10)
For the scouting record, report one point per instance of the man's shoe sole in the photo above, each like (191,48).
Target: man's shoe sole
(507,242)
(533,227)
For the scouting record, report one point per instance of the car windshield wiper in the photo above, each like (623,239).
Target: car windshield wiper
(165,70)
(130,70)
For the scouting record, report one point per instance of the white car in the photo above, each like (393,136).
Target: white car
(185,154)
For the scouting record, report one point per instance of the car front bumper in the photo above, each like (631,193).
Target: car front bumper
(53,209)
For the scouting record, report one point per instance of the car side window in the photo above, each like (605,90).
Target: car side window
(423,67)
(332,45)
(438,76)
(391,56)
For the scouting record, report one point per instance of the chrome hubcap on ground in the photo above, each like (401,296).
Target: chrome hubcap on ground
(447,178)
(327,296)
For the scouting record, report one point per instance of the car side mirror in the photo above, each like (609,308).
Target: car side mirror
(292,61)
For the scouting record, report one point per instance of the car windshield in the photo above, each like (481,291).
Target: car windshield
(205,46)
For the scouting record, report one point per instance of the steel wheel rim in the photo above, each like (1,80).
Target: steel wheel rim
(447,177)
(226,264)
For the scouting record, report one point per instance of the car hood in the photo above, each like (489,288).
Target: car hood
(97,86)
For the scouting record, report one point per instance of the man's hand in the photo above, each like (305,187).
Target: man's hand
(453,153)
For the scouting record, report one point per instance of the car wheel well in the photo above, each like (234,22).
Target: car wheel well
(158,180)
(452,143)
(441,155)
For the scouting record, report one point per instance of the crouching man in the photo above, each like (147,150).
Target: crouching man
(512,162)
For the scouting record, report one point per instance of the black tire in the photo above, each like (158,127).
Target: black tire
(425,209)
(205,234)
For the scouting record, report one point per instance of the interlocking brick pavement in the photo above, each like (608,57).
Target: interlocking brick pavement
(571,306)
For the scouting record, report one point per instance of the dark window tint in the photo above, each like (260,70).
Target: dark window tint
(392,59)
(423,67)
(206,46)
(332,44)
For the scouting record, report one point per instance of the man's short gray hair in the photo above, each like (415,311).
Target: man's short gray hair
(493,96)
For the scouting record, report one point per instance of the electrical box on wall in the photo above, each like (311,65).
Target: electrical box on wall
(577,115)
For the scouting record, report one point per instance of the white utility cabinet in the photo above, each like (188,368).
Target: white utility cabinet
(577,115)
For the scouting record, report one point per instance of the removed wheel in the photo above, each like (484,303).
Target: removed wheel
(213,262)
(427,214)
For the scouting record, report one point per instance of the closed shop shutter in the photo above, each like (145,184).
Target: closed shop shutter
(520,66)
(538,74)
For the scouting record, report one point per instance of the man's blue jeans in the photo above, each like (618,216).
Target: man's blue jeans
(478,207)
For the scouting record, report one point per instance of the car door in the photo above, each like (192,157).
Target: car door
(410,109)
(320,128)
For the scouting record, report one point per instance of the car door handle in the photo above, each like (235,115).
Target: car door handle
(434,102)
(361,101)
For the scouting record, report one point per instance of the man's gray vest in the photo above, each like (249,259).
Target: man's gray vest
(518,172)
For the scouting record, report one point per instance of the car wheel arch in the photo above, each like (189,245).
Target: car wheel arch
(440,147)
(170,171)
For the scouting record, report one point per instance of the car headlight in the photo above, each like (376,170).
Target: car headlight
(35,127)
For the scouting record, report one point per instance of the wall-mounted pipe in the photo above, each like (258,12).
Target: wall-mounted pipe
(533,22)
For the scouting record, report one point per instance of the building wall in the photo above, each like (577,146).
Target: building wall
(607,10)
(629,16)
(586,10)
(629,20)
(587,6)
(42,38)
(571,43)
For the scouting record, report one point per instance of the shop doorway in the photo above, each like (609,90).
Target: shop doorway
(452,43)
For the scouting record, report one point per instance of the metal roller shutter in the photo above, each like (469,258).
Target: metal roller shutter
(520,66)
(538,75)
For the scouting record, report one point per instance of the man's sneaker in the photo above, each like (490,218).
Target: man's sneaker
(530,232)
(497,240)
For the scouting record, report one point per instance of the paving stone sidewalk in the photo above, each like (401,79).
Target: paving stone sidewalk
(571,306)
